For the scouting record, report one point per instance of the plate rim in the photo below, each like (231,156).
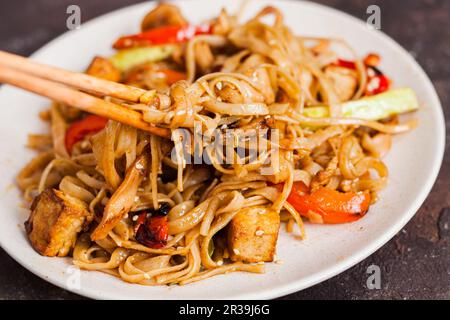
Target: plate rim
(337,267)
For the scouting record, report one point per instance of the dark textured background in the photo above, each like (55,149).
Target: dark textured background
(415,264)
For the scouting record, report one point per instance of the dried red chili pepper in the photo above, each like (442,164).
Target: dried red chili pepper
(141,219)
(154,233)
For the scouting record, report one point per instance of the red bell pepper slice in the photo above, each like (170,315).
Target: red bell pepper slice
(346,64)
(162,35)
(172,76)
(333,206)
(371,60)
(79,129)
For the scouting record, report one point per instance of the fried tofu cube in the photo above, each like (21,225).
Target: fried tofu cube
(55,221)
(102,68)
(253,234)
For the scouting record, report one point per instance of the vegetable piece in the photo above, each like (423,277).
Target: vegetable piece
(128,58)
(345,64)
(377,84)
(172,76)
(161,35)
(141,219)
(371,60)
(376,107)
(79,129)
(377,81)
(163,210)
(329,206)
(154,233)
(154,75)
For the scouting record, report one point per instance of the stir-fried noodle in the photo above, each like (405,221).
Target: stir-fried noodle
(264,129)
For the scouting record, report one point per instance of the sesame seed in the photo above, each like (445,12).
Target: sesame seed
(135,217)
(146,276)
(220,262)
(236,251)
(259,233)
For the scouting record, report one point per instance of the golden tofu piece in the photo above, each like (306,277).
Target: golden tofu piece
(55,221)
(253,234)
(102,68)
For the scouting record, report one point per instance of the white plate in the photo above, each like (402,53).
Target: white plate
(414,163)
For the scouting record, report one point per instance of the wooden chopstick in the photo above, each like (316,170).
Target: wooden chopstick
(80,100)
(73,79)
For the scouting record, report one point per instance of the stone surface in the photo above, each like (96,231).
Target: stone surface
(415,264)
